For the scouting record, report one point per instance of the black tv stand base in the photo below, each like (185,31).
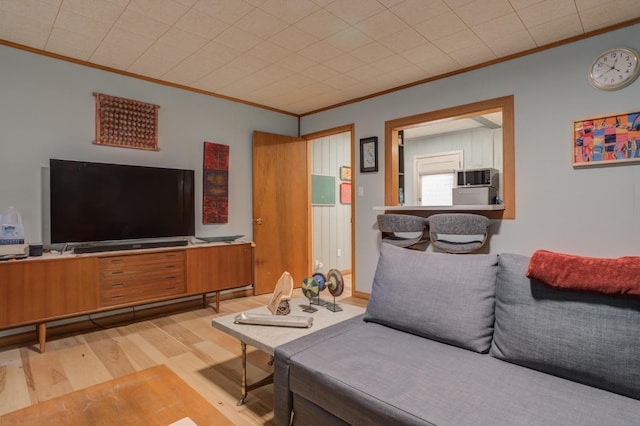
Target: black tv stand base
(101,247)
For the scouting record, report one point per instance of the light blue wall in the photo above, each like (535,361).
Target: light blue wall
(47,110)
(591,211)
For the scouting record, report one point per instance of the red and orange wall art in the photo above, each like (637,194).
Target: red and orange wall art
(215,187)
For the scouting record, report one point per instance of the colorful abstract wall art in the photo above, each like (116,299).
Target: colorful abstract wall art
(215,187)
(606,140)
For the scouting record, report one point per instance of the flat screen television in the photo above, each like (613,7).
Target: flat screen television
(98,202)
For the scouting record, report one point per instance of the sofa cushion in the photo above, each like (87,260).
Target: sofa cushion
(587,337)
(375,375)
(282,396)
(447,297)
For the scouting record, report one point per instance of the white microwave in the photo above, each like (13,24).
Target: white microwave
(477,177)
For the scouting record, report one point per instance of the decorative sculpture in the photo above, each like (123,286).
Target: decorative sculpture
(279,303)
(335,284)
(322,280)
(310,289)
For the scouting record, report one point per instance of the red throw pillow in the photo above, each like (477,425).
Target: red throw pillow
(611,276)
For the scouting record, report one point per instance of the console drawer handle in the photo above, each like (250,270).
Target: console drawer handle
(117,285)
(117,296)
(171,288)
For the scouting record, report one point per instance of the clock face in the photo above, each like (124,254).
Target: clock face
(614,69)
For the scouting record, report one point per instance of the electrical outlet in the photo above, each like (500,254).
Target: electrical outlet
(339,252)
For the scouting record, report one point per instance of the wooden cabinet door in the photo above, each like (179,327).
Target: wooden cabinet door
(219,267)
(38,290)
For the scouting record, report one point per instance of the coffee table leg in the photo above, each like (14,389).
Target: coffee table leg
(246,387)
(244,373)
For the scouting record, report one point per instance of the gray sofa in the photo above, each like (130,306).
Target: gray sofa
(466,340)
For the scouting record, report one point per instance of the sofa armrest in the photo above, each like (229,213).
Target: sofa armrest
(282,396)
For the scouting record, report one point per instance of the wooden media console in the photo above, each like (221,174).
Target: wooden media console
(38,290)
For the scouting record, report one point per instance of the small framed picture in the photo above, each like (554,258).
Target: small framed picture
(369,154)
(345,173)
(345,192)
(607,140)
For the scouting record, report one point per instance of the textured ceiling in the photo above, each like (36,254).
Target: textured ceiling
(299,55)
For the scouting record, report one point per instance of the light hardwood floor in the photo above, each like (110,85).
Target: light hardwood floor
(202,356)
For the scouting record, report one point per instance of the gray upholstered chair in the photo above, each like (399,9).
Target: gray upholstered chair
(404,230)
(458,232)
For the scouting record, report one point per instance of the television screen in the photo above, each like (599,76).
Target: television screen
(103,202)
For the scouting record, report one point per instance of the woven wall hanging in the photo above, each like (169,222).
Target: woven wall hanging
(126,123)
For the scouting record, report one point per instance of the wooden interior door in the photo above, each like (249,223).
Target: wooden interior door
(281,212)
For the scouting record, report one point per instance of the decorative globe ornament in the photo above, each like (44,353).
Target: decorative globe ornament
(310,289)
(322,280)
(335,284)
(322,284)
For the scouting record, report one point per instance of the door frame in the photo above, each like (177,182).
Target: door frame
(323,133)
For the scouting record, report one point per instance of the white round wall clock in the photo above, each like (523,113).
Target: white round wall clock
(614,69)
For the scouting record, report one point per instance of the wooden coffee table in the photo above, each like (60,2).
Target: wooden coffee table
(266,338)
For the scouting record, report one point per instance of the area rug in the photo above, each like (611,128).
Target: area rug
(156,396)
